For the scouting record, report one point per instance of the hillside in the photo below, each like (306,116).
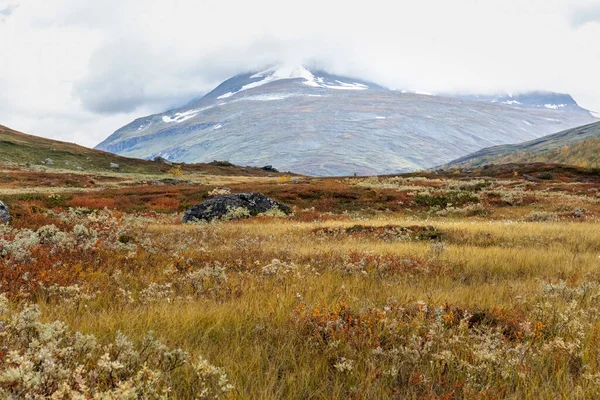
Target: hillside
(312,122)
(579,146)
(23,149)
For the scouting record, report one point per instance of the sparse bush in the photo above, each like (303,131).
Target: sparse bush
(219,191)
(46,360)
(176,171)
(444,200)
(547,175)
(541,216)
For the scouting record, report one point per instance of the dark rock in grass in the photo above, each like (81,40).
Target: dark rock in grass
(5,217)
(250,204)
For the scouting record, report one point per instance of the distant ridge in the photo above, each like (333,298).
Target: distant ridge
(579,146)
(21,148)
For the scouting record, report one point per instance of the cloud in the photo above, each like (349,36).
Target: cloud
(586,15)
(7,10)
(80,69)
(166,76)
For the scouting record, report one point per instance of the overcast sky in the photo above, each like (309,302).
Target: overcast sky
(77,70)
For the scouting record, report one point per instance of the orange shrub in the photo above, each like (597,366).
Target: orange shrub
(164,204)
(92,203)
(30,214)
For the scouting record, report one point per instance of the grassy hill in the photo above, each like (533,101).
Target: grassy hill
(24,149)
(578,146)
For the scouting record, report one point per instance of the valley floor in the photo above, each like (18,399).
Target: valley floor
(481,286)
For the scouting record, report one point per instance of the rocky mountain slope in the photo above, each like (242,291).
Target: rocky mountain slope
(579,146)
(316,123)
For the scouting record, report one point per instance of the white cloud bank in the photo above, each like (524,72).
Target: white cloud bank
(77,70)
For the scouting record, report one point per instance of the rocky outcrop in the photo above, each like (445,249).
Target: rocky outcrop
(237,205)
(162,160)
(5,217)
(269,168)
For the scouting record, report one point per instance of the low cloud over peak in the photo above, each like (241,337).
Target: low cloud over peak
(96,66)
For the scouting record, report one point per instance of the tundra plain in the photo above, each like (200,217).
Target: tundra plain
(478,284)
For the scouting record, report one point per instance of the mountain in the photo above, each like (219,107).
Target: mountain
(579,146)
(313,122)
(20,148)
(530,100)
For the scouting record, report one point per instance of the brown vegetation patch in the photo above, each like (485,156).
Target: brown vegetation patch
(386,232)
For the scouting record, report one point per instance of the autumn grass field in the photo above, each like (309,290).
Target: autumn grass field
(479,285)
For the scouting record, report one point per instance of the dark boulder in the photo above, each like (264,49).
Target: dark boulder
(269,168)
(220,206)
(5,217)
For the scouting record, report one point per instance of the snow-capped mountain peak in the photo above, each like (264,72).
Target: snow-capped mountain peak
(317,79)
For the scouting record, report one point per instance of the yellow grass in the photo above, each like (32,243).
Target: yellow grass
(283,329)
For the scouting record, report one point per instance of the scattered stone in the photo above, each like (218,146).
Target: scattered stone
(157,183)
(221,163)
(220,206)
(579,212)
(175,182)
(5,217)
(269,168)
(79,169)
(530,178)
(114,165)
(48,161)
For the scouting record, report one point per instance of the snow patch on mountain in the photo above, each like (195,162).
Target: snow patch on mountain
(554,106)
(182,116)
(280,73)
(347,86)
(270,97)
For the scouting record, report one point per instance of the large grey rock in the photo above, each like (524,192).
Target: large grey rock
(220,206)
(5,217)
